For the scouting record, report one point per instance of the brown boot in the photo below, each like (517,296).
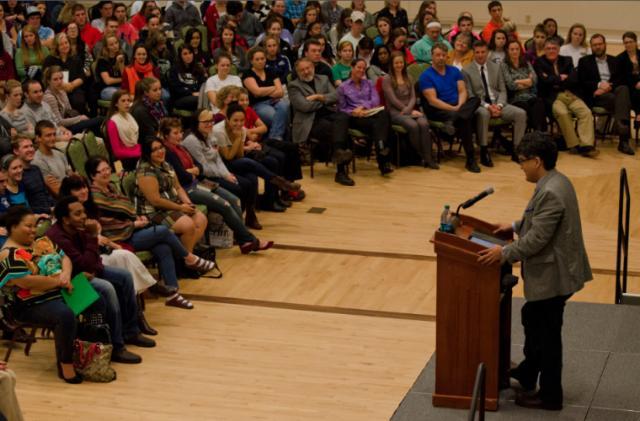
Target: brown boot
(283,184)
(251,220)
(144,326)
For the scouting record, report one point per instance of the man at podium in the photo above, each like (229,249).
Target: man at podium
(554,266)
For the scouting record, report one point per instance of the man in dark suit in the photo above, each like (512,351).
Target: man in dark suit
(557,85)
(314,99)
(601,86)
(554,266)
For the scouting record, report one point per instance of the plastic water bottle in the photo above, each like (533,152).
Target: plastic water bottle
(445,220)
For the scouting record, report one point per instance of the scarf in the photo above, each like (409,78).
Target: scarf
(183,155)
(156,109)
(127,129)
(133,74)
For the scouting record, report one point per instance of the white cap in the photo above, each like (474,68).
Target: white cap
(357,15)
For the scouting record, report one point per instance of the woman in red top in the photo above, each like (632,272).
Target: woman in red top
(140,68)
(140,19)
(398,42)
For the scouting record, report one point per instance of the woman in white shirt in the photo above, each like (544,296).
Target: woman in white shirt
(221,79)
(576,44)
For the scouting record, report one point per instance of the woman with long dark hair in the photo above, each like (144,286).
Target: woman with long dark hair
(228,44)
(148,108)
(122,131)
(185,79)
(193,38)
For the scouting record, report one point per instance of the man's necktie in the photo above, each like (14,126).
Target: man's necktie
(487,97)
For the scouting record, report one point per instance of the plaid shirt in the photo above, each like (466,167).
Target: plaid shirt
(295,8)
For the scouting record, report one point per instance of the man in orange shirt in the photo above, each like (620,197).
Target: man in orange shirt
(496,22)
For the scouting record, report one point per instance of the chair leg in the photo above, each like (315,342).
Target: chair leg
(311,159)
(397,150)
(30,341)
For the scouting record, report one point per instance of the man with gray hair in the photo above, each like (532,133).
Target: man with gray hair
(314,99)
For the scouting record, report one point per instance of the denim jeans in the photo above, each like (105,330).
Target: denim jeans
(218,204)
(93,124)
(112,310)
(56,312)
(165,246)
(275,116)
(126,303)
(249,167)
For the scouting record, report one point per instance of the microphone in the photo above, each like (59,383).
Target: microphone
(476,199)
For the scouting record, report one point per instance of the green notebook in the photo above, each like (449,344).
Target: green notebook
(83,294)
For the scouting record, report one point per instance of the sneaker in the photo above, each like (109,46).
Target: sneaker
(344,179)
(123,356)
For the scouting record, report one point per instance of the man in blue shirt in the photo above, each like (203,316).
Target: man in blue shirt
(447,101)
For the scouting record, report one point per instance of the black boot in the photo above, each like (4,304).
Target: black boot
(624,147)
(342,177)
(142,321)
(485,157)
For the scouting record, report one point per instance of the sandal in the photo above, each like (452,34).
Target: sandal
(202,265)
(180,302)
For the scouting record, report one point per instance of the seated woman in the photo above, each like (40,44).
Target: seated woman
(342,68)
(380,65)
(64,114)
(79,48)
(273,26)
(12,111)
(15,193)
(72,64)
(286,153)
(400,97)
(266,94)
(221,79)
(207,193)
(193,38)
(230,136)
(111,253)
(398,42)
(148,108)
(30,57)
(120,223)
(226,96)
(122,131)
(228,45)
(575,45)
(383,24)
(520,80)
(629,67)
(342,28)
(141,67)
(356,97)
(161,198)
(23,279)
(185,79)
(461,54)
(198,143)
(309,16)
(110,67)
(161,53)
(498,46)
(277,63)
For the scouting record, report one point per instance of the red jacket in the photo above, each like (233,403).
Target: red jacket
(90,36)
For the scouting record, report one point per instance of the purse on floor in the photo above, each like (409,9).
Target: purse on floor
(92,360)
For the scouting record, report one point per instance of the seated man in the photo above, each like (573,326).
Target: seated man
(357,97)
(35,109)
(52,162)
(602,86)
(496,22)
(182,13)
(40,201)
(314,99)
(447,100)
(557,85)
(88,33)
(78,238)
(485,81)
(312,49)
(244,22)
(421,50)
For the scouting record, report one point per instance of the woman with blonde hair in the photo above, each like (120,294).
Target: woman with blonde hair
(110,67)
(12,109)
(72,64)
(575,45)
(30,57)
(461,54)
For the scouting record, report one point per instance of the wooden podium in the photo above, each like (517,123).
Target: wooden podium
(473,318)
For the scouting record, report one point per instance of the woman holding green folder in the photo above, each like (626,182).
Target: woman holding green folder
(36,297)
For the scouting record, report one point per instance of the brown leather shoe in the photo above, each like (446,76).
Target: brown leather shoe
(532,400)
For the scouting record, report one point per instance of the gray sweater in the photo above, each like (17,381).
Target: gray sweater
(207,155)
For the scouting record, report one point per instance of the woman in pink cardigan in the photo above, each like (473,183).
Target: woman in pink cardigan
(122,131)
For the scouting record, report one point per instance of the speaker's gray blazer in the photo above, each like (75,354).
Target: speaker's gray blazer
(550,244)
(304,111)
(495,80)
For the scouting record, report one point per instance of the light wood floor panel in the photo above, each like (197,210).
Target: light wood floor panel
(229,362)
(399,213)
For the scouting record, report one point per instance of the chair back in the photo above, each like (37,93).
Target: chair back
(371,32)
(415,70)
(128,185)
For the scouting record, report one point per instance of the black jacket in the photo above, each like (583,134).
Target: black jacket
(589,76)
(626,69)
(147,124)
(549,83)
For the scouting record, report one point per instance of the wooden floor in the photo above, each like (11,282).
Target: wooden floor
(335,323)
